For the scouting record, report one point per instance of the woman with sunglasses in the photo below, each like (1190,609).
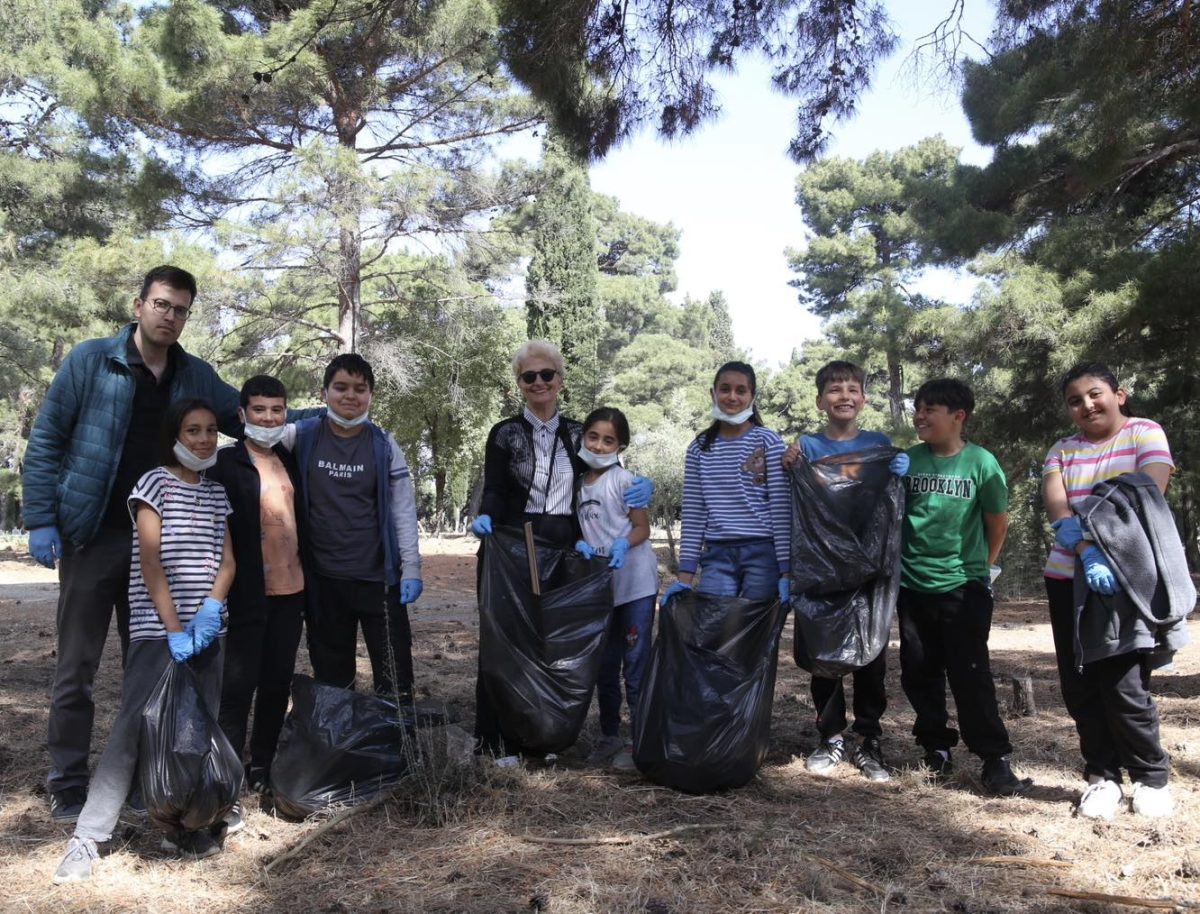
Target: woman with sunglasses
(529,468)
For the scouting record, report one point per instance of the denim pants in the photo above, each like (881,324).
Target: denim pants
(145,663)
(628,646)
(740,568)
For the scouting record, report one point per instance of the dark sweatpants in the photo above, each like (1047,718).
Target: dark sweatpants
(944,636)
(870,700)
(1110,702)
(92,581)
(336,610)
(260,658)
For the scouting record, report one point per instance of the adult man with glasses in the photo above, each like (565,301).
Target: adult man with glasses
(95,436)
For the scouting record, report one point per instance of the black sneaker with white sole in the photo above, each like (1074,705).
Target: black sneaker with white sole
(939,766)
(826,756)
(868,758)
(67,804)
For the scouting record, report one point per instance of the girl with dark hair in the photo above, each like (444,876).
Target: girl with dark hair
(1109,698)
(180,575)
(611,528)
(736,504)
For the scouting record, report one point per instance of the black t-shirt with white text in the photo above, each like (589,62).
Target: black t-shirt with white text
(343,516)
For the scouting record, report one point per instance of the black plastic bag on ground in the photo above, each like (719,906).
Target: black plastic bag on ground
(704,714)
(190,775)
(847,513)
(337,748)
(539,656)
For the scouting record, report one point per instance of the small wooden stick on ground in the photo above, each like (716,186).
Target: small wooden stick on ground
(1160,904)
(325,827)
(623,839)
(847,875)
(1022,861)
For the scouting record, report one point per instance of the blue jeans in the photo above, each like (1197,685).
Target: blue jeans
(629,646)
(740,568)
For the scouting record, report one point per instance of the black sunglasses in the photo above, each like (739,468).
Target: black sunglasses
(546,374)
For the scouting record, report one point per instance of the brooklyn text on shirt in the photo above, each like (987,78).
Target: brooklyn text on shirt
(952,486)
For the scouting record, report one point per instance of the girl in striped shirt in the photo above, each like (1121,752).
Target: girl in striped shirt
(736,504)
(1108,699)
(181,572)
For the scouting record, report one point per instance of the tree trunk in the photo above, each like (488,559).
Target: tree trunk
(896,391)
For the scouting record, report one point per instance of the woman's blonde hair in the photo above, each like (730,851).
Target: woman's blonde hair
(538,349)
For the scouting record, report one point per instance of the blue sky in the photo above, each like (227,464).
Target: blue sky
(730,186)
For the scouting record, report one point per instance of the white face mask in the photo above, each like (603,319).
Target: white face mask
(187,459)
(597,461)
(347,423)
(736,418)
(263,436)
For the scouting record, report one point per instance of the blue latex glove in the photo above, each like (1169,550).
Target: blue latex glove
(410,590)
(617,552)
(676,588)
(785,589)
(45,545)
(899,464)
(206,624)
(482,525)
(584,548)
(181,645)
(1067,532)
(639,493)
(1098,572)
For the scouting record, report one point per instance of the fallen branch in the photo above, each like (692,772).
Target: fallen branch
(1022,861)
(847,875)
(627,839)
(326,826)
(1160,904)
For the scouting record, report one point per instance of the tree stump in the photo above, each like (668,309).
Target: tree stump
(1023,704)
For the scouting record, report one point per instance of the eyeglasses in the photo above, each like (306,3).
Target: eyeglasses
(546,374)
(162,306)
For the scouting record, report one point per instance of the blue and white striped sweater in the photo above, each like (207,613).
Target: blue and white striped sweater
(735,490)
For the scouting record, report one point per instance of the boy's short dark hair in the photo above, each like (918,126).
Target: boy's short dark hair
(262,385)
(171,276)
(354,365)
(839,370)
(948,392)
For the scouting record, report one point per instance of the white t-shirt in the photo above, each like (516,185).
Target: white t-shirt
(193,538)
(604,517)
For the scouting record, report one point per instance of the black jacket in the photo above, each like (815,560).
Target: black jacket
(508,464)
(236,472)
(1129,520)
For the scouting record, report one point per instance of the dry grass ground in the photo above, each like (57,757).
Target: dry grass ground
(790,841)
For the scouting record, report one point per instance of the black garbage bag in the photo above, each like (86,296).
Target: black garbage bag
(337,748)
(539,656)
(847,513)
(704,713)
(190,775)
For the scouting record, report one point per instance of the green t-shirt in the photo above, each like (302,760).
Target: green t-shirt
(944,543)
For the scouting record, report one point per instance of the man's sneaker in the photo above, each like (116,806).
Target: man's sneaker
(1101,800)
(938,764)
(826,756)
(259,780)
(67,804)
(623,760)
(193,844)
(998,778)
(604,749)
(77,863)
(868,758)
(1153,802)
(506,761)
(233,821)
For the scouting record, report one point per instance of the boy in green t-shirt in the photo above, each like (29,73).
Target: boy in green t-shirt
(955,520)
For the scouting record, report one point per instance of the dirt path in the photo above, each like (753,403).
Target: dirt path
(789,841)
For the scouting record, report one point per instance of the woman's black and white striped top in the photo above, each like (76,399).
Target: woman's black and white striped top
(193,536)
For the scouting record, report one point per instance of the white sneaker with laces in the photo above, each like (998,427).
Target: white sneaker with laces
(1101,800)
(1153,802)
(76,865)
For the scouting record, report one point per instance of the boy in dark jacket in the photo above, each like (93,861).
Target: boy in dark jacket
(266,602)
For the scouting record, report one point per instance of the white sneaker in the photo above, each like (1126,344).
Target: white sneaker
(507,761)
(76,865)
(1153,802)
(1101,800)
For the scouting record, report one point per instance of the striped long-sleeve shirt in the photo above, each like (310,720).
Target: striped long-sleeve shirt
(735,490)
(1082,463)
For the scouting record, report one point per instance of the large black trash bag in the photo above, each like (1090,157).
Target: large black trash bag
(190,775)
(539,656)
(704,713)
(847,513)
(337,748)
